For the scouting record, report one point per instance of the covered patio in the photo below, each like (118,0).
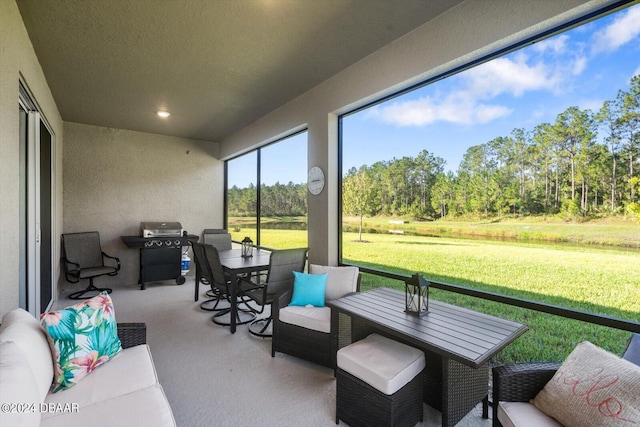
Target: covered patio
(212,377)
(113,163)
(97,80)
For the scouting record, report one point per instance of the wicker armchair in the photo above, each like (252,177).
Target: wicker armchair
(523,381)
(304,343)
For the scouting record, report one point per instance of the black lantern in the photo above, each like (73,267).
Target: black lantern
(416,294)
(247,247)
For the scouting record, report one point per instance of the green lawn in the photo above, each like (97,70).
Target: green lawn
(588,278)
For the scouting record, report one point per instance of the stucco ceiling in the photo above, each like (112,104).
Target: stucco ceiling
(216,65)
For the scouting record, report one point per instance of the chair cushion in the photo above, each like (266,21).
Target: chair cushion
(383,363)
(147,407)
(314,318)
(520,414)
(23,329)
(131,370)
(340,280)
(17,387)
(592,387)
(308,289)
(84,336)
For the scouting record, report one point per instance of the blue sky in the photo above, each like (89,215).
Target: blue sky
(281,162)
(582,67)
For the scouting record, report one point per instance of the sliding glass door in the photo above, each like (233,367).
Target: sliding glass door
(36,208)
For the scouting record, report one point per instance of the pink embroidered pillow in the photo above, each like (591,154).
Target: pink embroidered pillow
(593,388)
(84,336)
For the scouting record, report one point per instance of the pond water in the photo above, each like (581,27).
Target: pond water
(299,225)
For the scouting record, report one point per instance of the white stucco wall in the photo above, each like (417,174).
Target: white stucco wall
(114,179)
(463,34)
(17,58)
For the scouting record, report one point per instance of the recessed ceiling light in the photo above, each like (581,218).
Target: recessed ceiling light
(163,114)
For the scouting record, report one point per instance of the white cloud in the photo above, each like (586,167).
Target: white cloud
(556,45)
(549,67)
(579,65)
(471,102)
(456,108)
(506,75)
(486,113)
(636,72)
(622,30)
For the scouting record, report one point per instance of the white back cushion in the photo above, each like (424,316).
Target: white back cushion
(17,387)
(23,329)
(340,280)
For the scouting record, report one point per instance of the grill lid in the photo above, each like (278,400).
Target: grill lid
(160,229)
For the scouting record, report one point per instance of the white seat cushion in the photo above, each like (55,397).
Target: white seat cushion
(314,318)
(129,371)
(383,363)
(17,387)
(524,414)
(340,280)
(23,329)
(143,408)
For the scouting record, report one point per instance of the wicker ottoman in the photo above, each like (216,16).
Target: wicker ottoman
(379,383)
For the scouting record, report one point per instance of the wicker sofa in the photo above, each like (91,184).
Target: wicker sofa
(523,381)
(124,391)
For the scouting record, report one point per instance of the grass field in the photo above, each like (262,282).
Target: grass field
(589,278)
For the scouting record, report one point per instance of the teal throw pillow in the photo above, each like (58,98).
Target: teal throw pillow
(84,336)
(308,289)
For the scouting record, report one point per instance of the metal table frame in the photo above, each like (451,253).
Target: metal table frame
(457,343)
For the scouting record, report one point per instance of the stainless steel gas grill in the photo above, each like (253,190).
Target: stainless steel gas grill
(161,229)
(160,245)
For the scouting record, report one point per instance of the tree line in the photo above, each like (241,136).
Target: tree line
(583,163)
(275,200)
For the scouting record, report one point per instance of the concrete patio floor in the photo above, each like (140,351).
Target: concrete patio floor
(214,378)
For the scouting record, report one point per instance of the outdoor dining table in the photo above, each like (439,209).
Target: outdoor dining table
(236,266)
(457,343)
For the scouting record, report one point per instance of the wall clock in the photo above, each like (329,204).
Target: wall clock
(315,180)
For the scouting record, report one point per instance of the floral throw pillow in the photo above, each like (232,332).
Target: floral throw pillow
(83,336)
